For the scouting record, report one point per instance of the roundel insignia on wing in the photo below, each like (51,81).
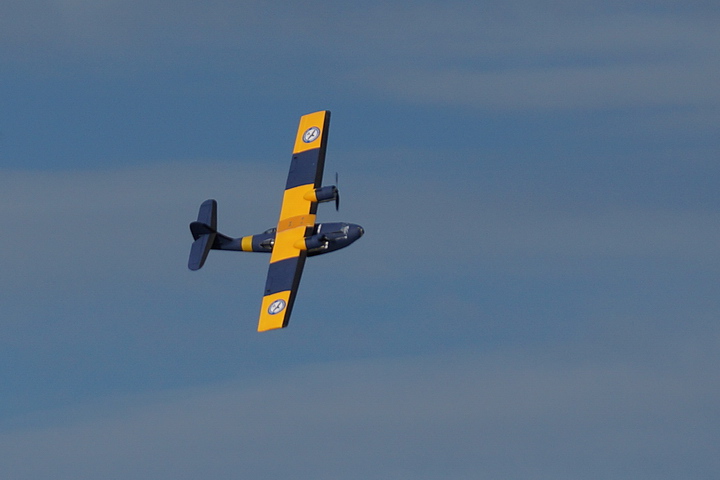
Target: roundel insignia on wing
(276,307)
(311,134)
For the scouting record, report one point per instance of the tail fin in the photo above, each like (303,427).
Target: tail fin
(204,231)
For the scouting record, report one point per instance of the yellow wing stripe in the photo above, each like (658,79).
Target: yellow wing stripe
(284,247)
(295,217)
(269,321)
(294,222)
(294,203)
(311,120)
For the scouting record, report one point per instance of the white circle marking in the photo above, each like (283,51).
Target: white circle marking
(276,307)
(311,134)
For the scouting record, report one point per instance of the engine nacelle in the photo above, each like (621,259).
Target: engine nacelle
(323,194)
(315,242)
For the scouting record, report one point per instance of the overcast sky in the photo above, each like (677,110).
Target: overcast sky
(536,296)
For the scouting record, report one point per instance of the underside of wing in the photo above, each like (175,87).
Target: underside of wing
(297,219)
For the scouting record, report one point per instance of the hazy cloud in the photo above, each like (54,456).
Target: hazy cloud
(493,55)
(535,296)
(469,415)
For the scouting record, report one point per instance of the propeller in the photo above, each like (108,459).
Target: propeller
(337,193)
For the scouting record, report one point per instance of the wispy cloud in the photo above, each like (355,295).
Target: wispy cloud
(488,415)
(498,55)
(535,296)
(675,84)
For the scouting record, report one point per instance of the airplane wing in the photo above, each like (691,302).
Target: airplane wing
(297,219)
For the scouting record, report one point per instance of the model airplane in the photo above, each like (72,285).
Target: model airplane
(296,235)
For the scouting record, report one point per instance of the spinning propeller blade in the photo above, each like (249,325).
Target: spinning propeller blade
(337,194)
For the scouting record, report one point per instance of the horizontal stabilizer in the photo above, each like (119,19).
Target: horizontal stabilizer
(199,251)
(198,229)
(204,231)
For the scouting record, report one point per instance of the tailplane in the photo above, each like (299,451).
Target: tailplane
(204,231)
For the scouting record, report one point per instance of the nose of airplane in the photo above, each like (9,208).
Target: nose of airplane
(357,231)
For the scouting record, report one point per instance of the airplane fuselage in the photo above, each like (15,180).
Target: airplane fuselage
(325,238)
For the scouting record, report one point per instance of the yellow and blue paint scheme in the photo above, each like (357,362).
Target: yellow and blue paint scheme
(297,220)
(296,235)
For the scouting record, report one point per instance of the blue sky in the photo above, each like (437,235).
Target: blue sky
(536,295)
